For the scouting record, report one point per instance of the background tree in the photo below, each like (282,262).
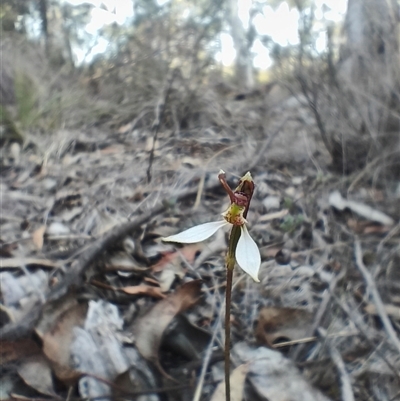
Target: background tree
(355,84)
(244,60)
(370,60)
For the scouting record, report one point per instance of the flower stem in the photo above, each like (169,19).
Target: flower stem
(230,265)
(227,352)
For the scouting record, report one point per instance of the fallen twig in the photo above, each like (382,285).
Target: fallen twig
(380,308)
(159,114)
(347,391)
(264,147)
(326,299)
(206,359)
(362,328)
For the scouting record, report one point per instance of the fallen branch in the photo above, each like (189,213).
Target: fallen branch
(74,277)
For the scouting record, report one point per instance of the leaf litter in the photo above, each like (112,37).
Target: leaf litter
(149,329)
(83,266)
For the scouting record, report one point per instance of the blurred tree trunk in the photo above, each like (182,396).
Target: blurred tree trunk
(43,17)
(66,38)
(58,44)
(244,61)
(370,62)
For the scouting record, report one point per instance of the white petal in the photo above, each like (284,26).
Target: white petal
(247,254)
(197,233)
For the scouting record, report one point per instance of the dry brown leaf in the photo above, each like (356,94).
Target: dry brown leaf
(37,237)
(150,328)
(7,250)
(121,261)
(270,251)
(165,259)
(36,373)
(52,311)
(237,380)
(124,129)
(282,324)
(188,253)
(151,280)
(11,351)
(366,227)
(143,290)
(374,229)
(57,341)
(112,150)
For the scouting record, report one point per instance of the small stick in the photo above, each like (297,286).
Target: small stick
(326,299)
(347,391)
(363,330)
(159,112)
(380,308)
(206,361)
(264,147)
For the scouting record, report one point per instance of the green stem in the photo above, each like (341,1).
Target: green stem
(230,265)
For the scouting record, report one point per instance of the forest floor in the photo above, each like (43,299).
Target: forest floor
(96,306)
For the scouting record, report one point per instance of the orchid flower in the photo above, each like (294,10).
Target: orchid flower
(242,247)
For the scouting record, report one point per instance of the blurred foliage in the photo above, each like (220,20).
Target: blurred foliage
(11,12)
(300,4)
(183,36)
(175,33)
(26,98)
(8,129)
(288,203)
(291,222)
(7,17)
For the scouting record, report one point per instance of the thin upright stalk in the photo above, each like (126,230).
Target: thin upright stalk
(228,296)
(230,265)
